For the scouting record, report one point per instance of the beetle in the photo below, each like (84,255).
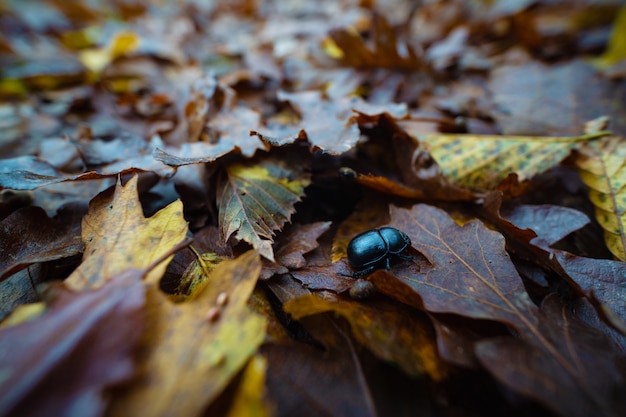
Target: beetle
(375,248)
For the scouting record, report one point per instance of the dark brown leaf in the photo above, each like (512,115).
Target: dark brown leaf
(29,236)
(599,385)
(86,340)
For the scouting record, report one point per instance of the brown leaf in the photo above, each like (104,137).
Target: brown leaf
(539,99)
(324,383)
(414,173)
(471,275)
(598,279)
(352,50)
(86,340)
(299,240)
(598,387)
(29,236)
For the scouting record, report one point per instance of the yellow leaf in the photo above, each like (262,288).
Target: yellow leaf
(196,275)
(96,59)
(602,166)
(616,49)
(118,237)
(389,331)
(248,400)
(192,350)
(483,161)
(255,200)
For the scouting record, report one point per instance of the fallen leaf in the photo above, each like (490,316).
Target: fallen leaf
(299,240)
(322,382)
(350,49)
(248,399)
(29,236)
(484,161)
(531,230)
(191,351)
(540,99)
(598,385)
(327,123)
(87,340)
(471,275)
(118,237)
(257,198)
(391,332)
(602,166)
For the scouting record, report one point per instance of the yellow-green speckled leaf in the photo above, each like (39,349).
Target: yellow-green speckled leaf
(602,166)
(256,199)
(482,161)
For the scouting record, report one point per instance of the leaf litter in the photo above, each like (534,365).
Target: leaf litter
(271,133)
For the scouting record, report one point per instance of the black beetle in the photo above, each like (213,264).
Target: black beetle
(374,248)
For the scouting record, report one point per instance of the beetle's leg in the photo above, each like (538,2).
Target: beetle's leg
(387,264)
(363,272)
(405,257)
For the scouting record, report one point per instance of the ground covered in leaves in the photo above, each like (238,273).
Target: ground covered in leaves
(180,181)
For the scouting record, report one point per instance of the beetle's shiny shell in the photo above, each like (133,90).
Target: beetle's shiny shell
(374,247)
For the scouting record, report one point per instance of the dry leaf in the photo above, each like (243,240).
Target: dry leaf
(118,237)
(255,199)
(391,332)
(191,351)
(69,356)
(484,161)
(602,166)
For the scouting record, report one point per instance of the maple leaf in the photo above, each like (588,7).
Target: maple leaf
(118,237)
(192,350)
(257,198)
(602,166)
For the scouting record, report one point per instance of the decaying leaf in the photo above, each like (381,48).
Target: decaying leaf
(596,383)
(48,239)
(87,340)
(255,199)
(352,50)
(602,166)
(483,161)
(118,237)
(390,332)
(191,350)
(248,400)
(470,275)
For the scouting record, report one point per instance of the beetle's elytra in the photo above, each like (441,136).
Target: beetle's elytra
(374,249)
